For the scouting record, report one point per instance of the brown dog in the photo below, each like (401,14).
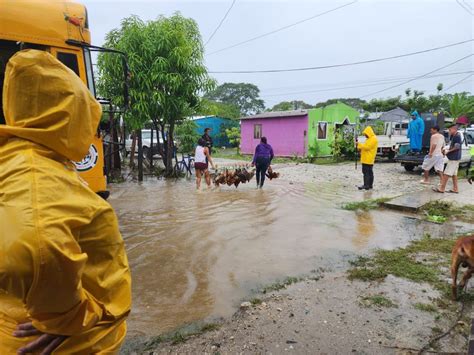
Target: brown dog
(462,255)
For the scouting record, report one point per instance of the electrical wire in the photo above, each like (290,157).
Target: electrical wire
(465,2)
(342,64)
(464,7)
(460,81)
(220,23)
(363,85)
(281,28)
(419,77)
(356,82)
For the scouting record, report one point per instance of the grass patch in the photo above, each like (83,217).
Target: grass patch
(441,211)
(255,301)
(426,307)
(365,205)
(279,285)
(181,335)
(403,263)
(377,300)
(231,153)
(424,260)
(209,327)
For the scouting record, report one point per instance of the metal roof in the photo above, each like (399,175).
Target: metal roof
(395,115)
(277,114)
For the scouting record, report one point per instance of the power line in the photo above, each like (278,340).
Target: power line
(340,65)
(379,80)
(464,7)
(281,28)
(368,84)
(465,2)
(419,77)
(220,23)
(460,81)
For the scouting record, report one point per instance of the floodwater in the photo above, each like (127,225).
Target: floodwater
(196,255)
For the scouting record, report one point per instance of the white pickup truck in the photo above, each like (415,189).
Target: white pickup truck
(411,160)
(395,134)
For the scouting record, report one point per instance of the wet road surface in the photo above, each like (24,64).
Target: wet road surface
(196,255)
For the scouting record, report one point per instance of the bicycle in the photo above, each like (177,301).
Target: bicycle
(186,164)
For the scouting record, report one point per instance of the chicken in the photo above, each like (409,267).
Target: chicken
(235,177)
(271,174)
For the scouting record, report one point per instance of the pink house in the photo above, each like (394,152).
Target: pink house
(286,132)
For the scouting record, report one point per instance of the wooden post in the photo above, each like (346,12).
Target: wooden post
(140,156)
(150,157)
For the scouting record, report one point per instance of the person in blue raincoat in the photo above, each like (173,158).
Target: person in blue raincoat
(416,128)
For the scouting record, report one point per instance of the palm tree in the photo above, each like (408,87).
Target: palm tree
(462,105)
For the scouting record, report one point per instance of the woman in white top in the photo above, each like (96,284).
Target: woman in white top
(201,160)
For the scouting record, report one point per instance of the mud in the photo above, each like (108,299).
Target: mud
(329,317)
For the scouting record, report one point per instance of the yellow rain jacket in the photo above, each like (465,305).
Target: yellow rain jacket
(62,260)
(368,149)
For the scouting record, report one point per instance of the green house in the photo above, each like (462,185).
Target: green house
(322,123)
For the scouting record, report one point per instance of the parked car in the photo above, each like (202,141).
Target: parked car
(146,142)
(410,160)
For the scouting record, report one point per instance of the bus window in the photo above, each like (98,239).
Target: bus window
(69,60)
(89,71)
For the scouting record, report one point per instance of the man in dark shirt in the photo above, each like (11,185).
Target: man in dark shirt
(206,136)
(454,156)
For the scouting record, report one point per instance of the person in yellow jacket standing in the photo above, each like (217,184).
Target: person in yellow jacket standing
(65,285)
(368,151)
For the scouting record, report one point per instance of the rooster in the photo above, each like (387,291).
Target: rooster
(271,174)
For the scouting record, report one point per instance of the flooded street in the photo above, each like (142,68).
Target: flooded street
(195,255)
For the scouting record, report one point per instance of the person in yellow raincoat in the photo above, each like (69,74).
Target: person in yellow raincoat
(368,151)
(64,275)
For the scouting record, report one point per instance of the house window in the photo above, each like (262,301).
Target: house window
(257,131)
(322,130)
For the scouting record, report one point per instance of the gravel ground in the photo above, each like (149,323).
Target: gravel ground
(328,316)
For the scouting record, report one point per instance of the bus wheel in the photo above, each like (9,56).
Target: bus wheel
(409,167)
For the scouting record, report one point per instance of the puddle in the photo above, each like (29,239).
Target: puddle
(196,255)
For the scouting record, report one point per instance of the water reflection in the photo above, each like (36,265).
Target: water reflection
(198,254)
(365,229)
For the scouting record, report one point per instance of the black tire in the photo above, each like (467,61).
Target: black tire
(409,167)
(391,155)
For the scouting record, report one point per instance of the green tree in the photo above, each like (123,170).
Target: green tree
(353,102)
(213,108)
(167,74)
(461,104)
(382,105)
(187,136)
(343,143)
(233,134)
(290,105)
(245,96)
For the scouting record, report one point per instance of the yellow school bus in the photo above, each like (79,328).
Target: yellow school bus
(61,28)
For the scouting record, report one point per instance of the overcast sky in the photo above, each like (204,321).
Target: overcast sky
(363,30)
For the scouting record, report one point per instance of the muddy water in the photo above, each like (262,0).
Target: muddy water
(198,254)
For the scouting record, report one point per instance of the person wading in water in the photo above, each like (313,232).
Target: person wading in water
(261,160)
(202,158)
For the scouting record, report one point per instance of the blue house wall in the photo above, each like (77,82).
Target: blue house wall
(218,126)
